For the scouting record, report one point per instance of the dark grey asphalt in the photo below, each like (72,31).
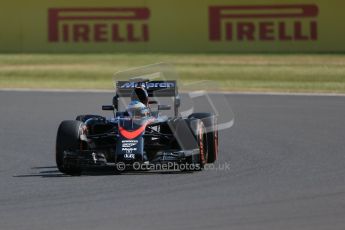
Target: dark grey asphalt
(287,159)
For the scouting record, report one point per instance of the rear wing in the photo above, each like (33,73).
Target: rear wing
(153,88)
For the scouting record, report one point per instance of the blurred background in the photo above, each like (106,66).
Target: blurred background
(248,45)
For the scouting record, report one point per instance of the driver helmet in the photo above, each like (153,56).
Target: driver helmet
(136,109)
(140,94)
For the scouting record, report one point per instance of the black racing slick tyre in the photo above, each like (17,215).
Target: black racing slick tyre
(199,131)
(191,136)
(67,139)
(200,134)
(210,123)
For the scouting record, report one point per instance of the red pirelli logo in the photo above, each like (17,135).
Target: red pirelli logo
(263,23)
(98,24)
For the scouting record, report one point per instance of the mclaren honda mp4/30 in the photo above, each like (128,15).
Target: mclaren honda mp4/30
(139,134)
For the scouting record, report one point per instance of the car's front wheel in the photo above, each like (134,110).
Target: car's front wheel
(67,140)
(210,123)
(199,160)
(201,138)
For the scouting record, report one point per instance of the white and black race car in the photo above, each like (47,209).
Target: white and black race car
(138,135)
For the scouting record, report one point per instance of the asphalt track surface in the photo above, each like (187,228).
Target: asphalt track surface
(287,171)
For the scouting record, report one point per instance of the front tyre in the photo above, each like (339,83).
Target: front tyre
(67,139)
(210,123)
(202,143)
(199,132)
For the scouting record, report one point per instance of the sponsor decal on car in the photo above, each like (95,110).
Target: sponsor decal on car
(129,143)
(129,156)
(128,146)
(128,85)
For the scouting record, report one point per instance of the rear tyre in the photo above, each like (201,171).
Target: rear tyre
(67,139)
(210,123)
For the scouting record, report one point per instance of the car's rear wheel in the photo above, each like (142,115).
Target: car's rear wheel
(210,123)
(68,140)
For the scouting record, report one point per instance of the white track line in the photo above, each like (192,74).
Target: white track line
(210,92)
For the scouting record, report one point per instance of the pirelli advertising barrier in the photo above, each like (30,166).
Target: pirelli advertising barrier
(172,26)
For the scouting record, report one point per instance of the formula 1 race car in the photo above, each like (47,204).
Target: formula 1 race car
(139,135)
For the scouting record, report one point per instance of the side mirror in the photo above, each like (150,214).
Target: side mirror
(153,102)
(108,107)
(164,107)
(177,101)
